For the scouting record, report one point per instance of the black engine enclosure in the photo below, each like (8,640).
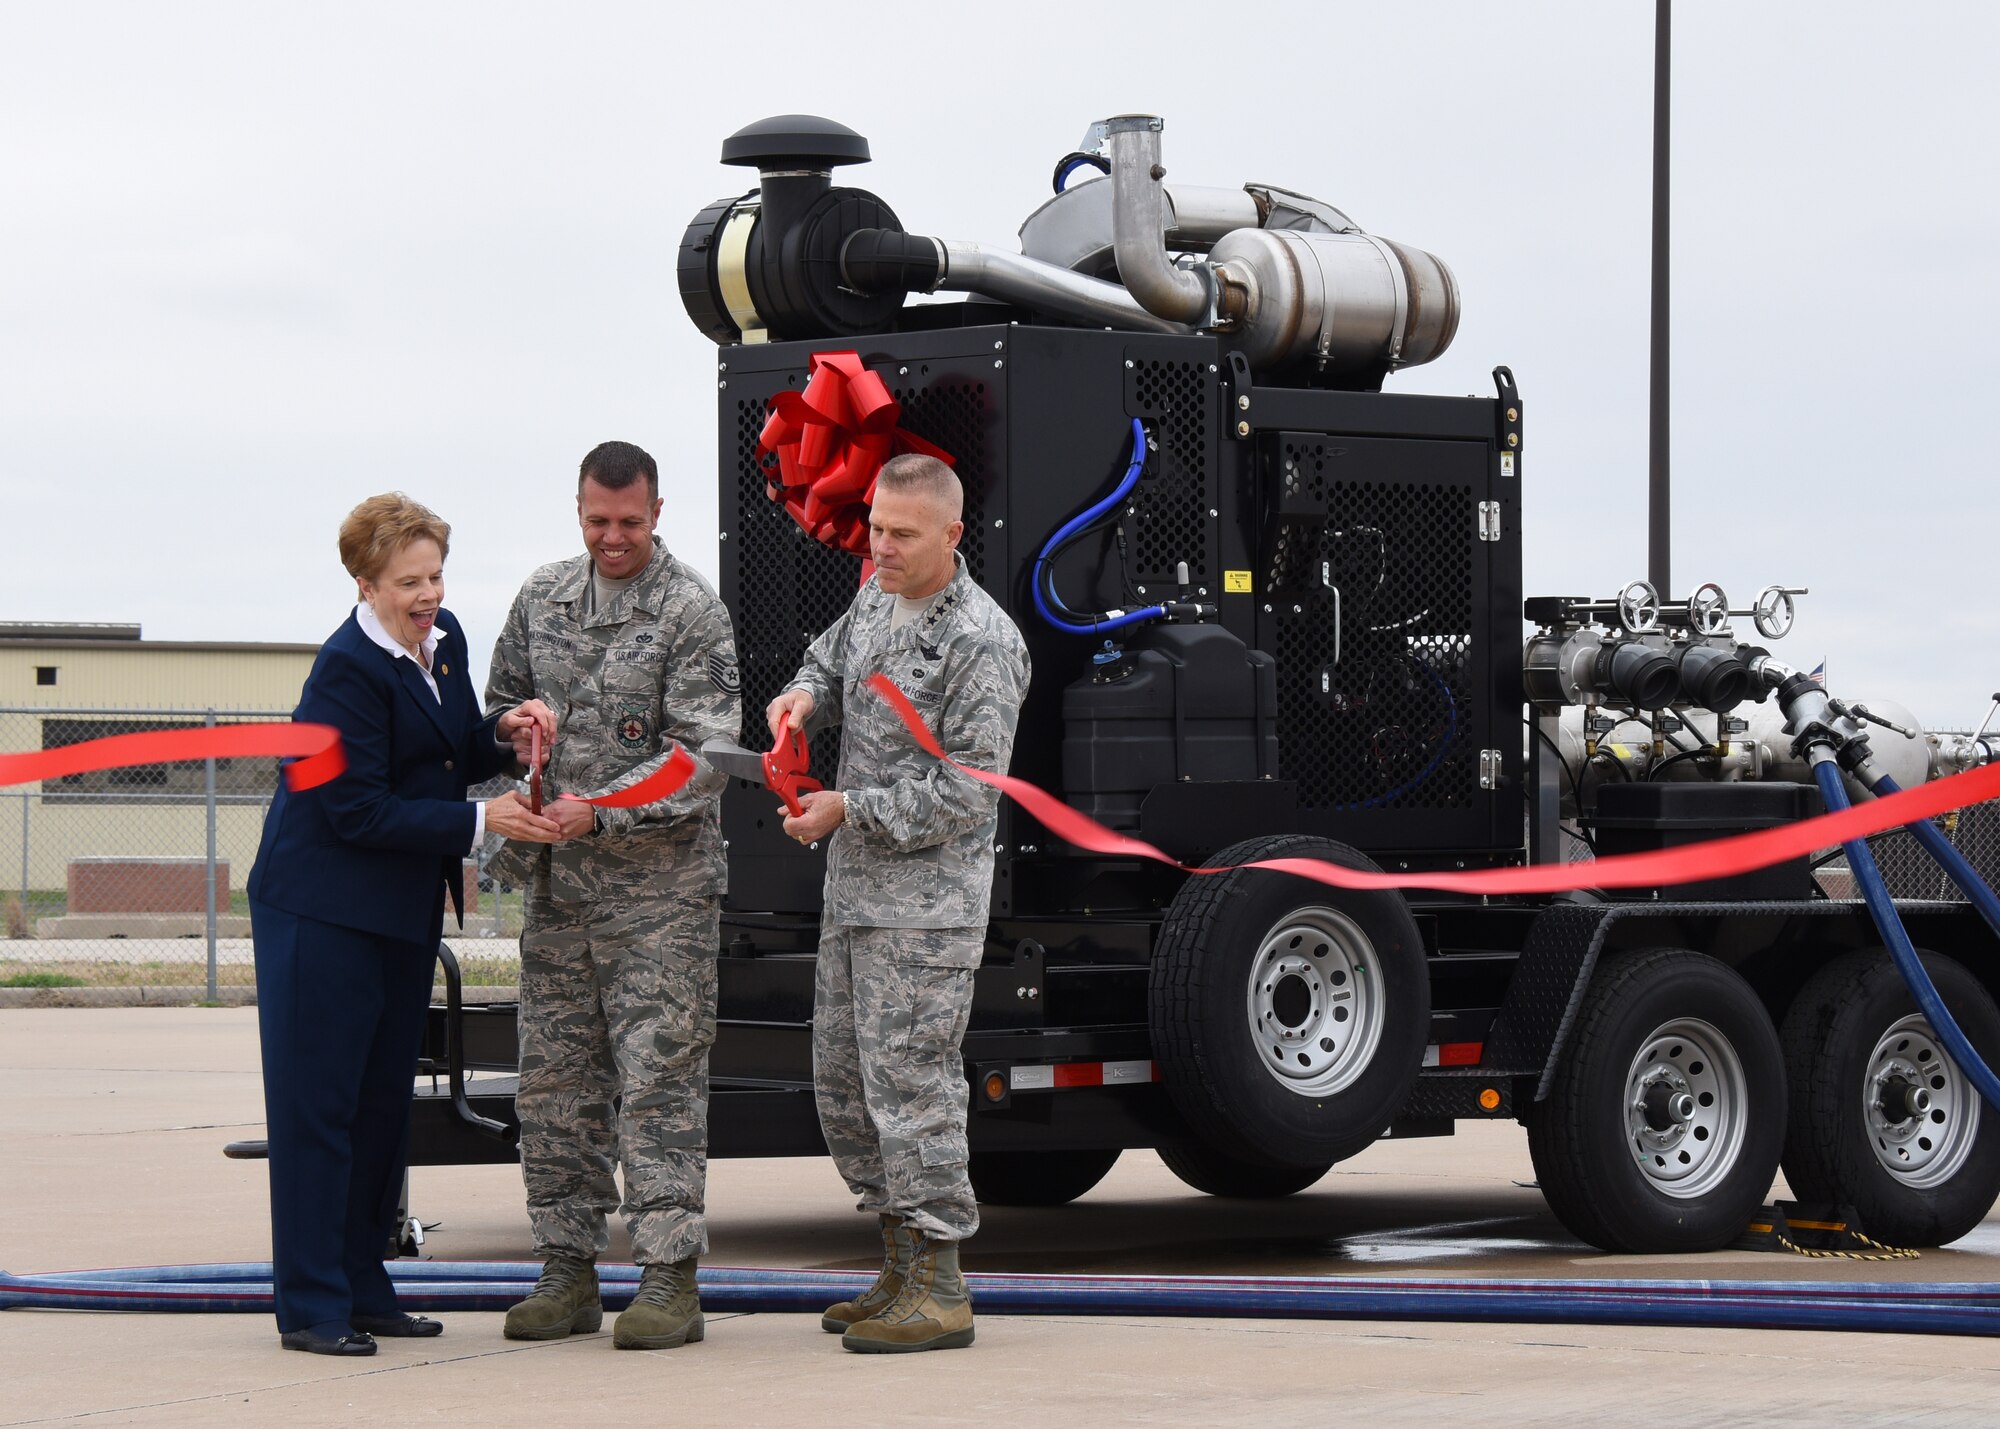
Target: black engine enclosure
(1338,533)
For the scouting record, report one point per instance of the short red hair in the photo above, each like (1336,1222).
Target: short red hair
(381,526)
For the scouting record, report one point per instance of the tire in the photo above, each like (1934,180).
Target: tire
(1289,1018)
(1036,1178)
(1219,1175)
(1675,1059)
(1853,1039)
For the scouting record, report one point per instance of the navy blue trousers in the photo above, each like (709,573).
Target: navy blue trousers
(340,1016)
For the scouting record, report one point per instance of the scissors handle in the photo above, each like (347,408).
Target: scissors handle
(786,765)
(534,769)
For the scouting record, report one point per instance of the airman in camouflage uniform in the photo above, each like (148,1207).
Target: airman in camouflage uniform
(621,930)
(909,875)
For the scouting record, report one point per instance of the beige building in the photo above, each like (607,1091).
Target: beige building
(47,663)
(63,683)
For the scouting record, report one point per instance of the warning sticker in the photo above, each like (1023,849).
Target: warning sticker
(1236,582)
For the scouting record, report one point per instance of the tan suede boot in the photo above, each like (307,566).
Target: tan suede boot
(896,1244)
(932,1312)
(564,1302)
(666,1312)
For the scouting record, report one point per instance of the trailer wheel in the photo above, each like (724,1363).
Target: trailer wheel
(1215,1174)
(1037,1178)
(1288,1018)
(1881,1118)
(1664,1120)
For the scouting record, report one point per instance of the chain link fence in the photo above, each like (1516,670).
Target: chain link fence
(1909,871)
(134,878)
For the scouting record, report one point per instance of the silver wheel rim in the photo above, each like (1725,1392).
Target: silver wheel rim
(1921,1112)
(1686,1101)
(1315,1002)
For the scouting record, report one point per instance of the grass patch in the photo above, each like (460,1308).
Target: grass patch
(41,979)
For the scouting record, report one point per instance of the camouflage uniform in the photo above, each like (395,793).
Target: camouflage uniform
(908,878)
(621,933)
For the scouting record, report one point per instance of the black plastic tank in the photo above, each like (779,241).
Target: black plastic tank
(1182,702)
(1645,817)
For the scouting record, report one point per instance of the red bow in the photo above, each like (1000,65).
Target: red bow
(831,440)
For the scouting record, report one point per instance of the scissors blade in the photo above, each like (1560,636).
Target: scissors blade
(734,760)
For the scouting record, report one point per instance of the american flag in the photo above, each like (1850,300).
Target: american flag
(1818,675)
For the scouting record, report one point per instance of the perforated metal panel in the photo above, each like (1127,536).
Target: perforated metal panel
(1172,503)
(788,588)
(1373,591)
(952,413)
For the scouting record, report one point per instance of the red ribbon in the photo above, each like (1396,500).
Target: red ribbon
(667,779)
(1690,863)
(314,750)
(831,440)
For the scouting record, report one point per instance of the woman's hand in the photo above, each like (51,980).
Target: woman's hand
(516,726)
(510,817)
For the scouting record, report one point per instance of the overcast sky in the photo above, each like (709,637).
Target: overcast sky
(258,261)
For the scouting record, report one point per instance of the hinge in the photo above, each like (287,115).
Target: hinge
(1489,520)
(1489,769)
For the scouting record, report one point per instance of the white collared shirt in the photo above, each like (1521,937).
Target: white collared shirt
(372,627)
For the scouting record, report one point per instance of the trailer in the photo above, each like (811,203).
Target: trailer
(1276,611)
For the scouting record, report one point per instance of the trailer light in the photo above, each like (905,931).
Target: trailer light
(1489,1099)
(996,1086)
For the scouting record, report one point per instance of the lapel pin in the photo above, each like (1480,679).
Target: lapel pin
(444,669)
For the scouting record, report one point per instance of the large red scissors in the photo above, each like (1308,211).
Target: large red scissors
(783,770)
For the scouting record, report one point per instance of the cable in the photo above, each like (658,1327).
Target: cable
(1624,774)
(1444,745)
(1666,734)
(1048,602)
(1575,790)
(1071,162)
(1672,759)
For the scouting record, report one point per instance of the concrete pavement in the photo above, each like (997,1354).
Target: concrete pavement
(111,1128)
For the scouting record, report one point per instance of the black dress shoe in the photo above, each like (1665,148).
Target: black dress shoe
(396,1327)
(328,1340)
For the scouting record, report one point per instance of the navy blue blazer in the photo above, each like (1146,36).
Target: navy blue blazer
(376,848)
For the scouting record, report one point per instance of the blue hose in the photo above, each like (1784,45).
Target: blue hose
(1882,908)
(1060,615)
(1933,1308)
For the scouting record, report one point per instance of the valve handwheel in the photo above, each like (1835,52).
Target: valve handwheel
(1639,608)
(1708,609)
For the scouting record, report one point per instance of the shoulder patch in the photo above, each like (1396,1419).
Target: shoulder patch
(724,675)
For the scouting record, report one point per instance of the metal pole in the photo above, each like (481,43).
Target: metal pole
(208,785)
(1659,484)
(24,854)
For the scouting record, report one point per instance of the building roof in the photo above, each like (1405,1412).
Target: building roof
(67,630)
(99,635)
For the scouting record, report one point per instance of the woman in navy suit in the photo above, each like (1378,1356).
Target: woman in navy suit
(346,906)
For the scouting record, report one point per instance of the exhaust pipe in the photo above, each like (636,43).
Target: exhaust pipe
(1139,224)
(881,260)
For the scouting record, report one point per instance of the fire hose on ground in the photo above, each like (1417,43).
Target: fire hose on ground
(433,1286)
